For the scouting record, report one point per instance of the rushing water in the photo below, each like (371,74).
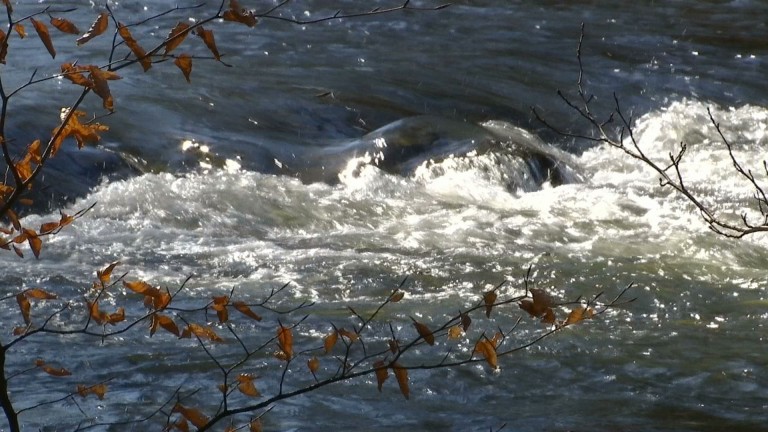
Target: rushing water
(689,354)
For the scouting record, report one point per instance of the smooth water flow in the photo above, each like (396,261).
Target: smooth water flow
(214,190)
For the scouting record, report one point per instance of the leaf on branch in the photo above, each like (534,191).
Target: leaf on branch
(14,220)
(48,227)
(381,373)
(75,74)
(465,321)
(352,336)
(579,314)
(39,294)
(245,310)
(136,49)
(397,296)
(64,25)
(116,317)
(195,416)
(3,46)
(106,273)
(101,87)
(24,306)
(50,370)
(98,27)
(203,332)
(96,315)
(246,386)
(487,349)
(402,379)
(210,42)
(255,425)
(238,14)
(313,364)
(165,322)
(18,251)
(489,299)
(99,390)
(45,37)
(34,242)
(220,306)
(184,62)
(330,341)
(19,27)
(176,37)
(539,305)
(455,332)
(82,132)
(285,341)
(424,332)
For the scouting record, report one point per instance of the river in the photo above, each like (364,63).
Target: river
(689,354)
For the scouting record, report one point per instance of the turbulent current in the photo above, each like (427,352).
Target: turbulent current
(208,182)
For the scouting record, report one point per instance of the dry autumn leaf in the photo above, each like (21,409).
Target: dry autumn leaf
(176,37)
(98,27)
(245,310)
(24,306)
(489,299)
(101,87)
(255,425)
(246,386)
(487,349)
(203,332)
(210,42)
(285,341)
(64,25)
(352,336)
(19,27)
(238,14)
(330,341)
(37,293)
(195,416)
(402,379)
(465,321)
(134,46)
(455,332)
(381,373)
(313,364)
(424,332)
(45,37)
(106,273)
(397,296)
(184,63)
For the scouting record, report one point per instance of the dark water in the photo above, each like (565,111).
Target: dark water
(689,354)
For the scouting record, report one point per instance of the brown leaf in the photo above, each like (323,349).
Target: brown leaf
(37,293)
(402,379)
(195,416)
(24,306)
(352,336)
(313,364)
(549,316)
(285,340)
(137,50)
(106,273)
(99,390)
(19,27)
(101,87)
(75,74)
(487,349)
(200,331)
(14,220)
(210,42)
(143,288)
(50,370)
(381,373)
(489,299)
(245,310)
(255,425)
(238,14)
(64,25)
(330,341)
(397,296)
(184,62)
(116,317)
(96,315)
(246,386)
(579,314)
(36,245)
(539,303)
(465,321)
(455,332)
(176,37)
(424,332)
(45,37)
(165,322)
(48,227)
(98,27)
